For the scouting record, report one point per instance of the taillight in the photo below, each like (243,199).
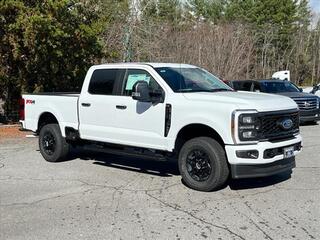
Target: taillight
(21,109)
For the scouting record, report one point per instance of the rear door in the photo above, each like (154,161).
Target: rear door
(97,106)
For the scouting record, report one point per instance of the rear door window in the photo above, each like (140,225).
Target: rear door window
(104,81)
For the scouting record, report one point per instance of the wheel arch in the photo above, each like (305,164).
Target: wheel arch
(46,118)
(196,130)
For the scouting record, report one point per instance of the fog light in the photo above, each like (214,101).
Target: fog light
(253,154)
(249,134)
(248,119)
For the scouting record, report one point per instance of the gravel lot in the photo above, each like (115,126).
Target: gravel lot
(110,197)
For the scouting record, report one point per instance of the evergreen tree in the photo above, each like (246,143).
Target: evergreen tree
(161,10)
(149,10)
(169,10)
(207,10)
(303,14)
(46,45)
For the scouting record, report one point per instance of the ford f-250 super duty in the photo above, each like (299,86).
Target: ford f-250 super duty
(175,111)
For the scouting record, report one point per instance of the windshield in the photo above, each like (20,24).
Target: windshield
(277,87)
(191,80)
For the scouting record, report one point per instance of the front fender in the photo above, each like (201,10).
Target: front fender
(222,128)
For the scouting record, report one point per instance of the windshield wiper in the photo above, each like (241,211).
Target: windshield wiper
(192,90)
(204,90)
(221,90)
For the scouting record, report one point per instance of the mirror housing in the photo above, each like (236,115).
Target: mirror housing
(141,91)
(300,89)
(157,96)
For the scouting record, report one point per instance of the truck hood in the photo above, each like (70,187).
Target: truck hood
(245,100)
(297,94)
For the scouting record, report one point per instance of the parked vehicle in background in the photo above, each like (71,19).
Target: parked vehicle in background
(314,90)
(307,89)
(307,102)
(282,75)
(163,110)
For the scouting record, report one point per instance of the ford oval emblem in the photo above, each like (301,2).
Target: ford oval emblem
(286,124)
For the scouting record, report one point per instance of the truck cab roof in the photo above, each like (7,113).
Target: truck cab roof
(152,64)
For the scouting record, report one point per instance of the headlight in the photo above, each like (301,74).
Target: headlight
(248,127)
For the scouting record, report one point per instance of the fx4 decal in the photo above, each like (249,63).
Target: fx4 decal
(28,101)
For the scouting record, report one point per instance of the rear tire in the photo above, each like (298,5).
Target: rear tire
(203,164)
(52,144)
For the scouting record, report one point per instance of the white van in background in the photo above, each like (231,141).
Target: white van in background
(282,75)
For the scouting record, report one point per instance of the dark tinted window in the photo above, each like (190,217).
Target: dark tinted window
(236,85)
(256,87)
(103,81)
(242,85)
(278,86)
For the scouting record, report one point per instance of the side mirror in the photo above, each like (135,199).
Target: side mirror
(157,96)
(300,89)
(141,91)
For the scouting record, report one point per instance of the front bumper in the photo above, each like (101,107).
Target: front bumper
(263,165)
(309,115)
(262,170)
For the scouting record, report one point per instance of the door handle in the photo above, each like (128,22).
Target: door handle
(121,107)
(86,104)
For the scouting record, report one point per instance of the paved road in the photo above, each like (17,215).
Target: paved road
(109,197)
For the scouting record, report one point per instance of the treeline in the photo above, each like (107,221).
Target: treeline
(48,45)
(236,39)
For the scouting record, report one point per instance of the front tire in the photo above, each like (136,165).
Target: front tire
(203,164)
(53,146)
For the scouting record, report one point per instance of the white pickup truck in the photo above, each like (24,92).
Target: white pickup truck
(175,111)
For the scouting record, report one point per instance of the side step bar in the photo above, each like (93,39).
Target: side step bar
(127,151)
(73,136)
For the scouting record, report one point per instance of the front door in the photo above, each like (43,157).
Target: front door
(140,122)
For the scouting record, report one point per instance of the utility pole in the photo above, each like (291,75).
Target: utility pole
(127,41)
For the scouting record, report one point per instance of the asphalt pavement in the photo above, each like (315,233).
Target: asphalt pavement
(101,196)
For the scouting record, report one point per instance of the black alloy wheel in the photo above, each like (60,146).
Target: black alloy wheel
(198,165)
(53,146)
(48,143)
(203,164)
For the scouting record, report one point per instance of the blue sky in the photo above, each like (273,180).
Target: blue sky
(315,5)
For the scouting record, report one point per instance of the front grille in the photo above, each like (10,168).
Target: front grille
(306,103)
(271,129)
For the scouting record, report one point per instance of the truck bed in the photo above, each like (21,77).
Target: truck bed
(66,94)
(63,105)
